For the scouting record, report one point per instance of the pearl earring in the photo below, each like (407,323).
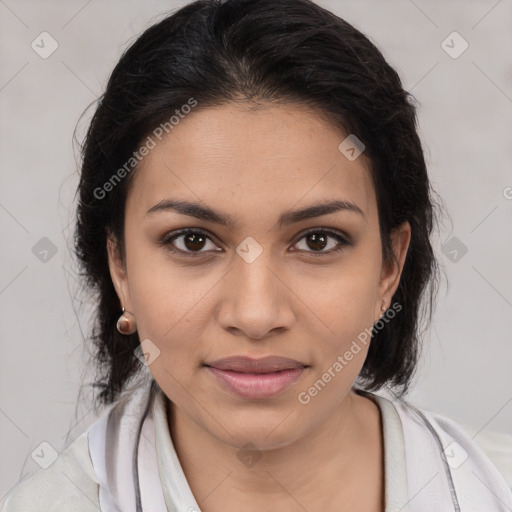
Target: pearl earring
(126,325)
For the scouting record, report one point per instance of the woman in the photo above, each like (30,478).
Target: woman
(255,216)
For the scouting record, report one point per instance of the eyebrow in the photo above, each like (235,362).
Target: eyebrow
(286,218)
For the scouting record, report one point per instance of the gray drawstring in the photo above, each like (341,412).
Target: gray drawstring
(135,457)
(453,493)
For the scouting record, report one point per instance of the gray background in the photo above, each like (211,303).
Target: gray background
(465,118)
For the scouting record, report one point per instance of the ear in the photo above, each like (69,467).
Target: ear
(391,272)
(118,272)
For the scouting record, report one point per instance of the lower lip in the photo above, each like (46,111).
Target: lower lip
(256,385)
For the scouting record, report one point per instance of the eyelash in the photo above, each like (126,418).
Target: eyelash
(167,240)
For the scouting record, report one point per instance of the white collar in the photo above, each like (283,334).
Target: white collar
(415,472)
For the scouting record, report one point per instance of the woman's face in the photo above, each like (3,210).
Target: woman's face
(256,287)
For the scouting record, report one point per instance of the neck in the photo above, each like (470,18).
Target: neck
(299,472)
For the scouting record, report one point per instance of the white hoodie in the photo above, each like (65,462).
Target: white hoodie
(431,465)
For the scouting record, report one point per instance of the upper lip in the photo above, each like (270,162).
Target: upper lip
(244,364)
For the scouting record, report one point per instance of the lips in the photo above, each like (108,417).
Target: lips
(256,379)
(244,364)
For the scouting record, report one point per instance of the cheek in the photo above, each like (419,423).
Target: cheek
(344,302)
(341,345)
(170,310)
(170,301)
(342,296)
(173,317)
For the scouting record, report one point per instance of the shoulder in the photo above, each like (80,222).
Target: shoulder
(477,462)
(492,447)
(497,447)
(69,484)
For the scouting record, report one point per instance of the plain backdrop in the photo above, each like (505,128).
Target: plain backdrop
(465,118)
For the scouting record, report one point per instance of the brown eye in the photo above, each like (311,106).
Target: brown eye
(189,242)
(318,240)
(194,241)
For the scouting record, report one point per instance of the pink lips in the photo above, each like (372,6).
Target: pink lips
(256,378)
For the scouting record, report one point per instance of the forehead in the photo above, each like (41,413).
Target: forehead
(241,159)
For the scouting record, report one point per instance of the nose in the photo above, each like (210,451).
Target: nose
(256,300)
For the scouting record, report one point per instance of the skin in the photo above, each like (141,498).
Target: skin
(290,301)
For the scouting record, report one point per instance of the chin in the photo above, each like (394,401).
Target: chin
(265,431)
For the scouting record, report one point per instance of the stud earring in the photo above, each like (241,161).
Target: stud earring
(383,308)
(126,325)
